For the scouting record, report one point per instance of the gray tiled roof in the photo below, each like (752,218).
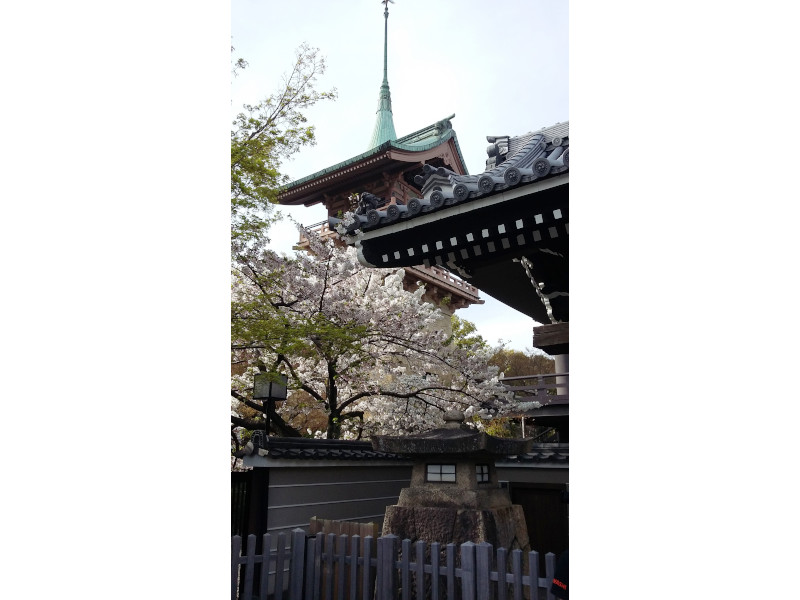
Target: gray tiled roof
(513,162)
(310,449)
(541,454)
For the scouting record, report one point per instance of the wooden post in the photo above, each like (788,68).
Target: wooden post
(451,570)
(387,573)
(405,570)
(280,565)
(327,568)
(516,570)
(533,570)
(435,575)
(341,571)
(236,551)
(550,571)
(502,571)
(483,568)
(355,547)
(468,571)
(297,563)
(420,569)
(249,566)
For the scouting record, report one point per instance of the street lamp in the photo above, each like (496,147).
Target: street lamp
(266,389)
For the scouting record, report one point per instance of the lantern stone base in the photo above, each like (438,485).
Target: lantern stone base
(502,527)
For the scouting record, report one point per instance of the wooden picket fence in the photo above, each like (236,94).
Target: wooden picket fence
(339,527)
(331,567)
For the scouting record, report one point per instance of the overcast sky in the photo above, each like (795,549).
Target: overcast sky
(502,68)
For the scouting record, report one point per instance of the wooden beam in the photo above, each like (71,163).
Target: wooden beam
(552,337)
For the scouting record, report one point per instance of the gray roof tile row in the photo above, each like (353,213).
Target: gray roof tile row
(512,162)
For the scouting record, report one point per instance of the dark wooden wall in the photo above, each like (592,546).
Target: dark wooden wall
(546,514)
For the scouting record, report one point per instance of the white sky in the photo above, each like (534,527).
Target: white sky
(502,68)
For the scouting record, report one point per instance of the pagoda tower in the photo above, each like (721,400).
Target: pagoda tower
(389,171)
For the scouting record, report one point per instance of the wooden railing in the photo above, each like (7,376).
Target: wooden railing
(322,229)
(344,568)
(550,389)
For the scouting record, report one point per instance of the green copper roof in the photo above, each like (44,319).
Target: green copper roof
(383,134)
(418,141)
(384,124)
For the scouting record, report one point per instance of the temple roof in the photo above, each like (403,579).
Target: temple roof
(513,162)
(505,231)
(422,140)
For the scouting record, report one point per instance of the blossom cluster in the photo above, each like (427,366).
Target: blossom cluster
(366,350)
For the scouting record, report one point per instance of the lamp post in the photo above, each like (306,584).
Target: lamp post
(269,391)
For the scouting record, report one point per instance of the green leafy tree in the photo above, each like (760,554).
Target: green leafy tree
(465,334)
(513,363)
(265,134)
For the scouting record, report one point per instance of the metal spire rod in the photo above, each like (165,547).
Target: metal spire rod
(384,126)
(385,36)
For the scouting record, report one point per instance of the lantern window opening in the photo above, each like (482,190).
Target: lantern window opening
(441,473)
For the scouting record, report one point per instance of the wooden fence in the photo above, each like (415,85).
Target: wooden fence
(331,567)
(340,527)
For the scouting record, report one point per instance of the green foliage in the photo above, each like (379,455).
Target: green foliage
(464,334)
(513,363)
(502,428)
(266,133)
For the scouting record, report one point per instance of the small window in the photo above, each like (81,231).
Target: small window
(482,473)
(441,473)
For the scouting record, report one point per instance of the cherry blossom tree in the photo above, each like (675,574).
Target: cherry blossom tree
(373,356)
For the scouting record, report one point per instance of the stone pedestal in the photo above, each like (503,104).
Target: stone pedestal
(501,527)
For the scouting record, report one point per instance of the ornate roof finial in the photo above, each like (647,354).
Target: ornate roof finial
(384,124)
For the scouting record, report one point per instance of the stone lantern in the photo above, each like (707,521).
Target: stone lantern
(455,495)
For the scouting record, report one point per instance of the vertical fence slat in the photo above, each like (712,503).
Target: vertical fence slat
(483,568)
(533,570)
(266,546)
(468,571)
(236,551)
(327,566)
(341,571)
(250,566)
(296,564)
(502,567)
(516,570)
(420,569)
(451,571)
(405,571)
(387,572)
(435,575)
(367,583)
(354,551)
(319,541)
(311,550)
(550,571)
(280,565)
